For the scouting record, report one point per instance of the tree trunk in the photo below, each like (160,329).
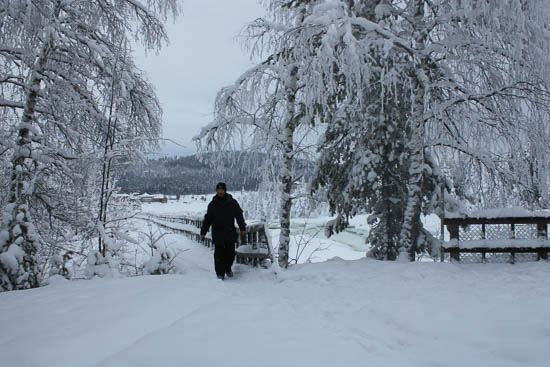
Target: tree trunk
(385,220)
(287,177)
(411,216)
(108,149)
(21,236)
(409,229)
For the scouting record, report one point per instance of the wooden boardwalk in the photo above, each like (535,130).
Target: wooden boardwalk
(254,248)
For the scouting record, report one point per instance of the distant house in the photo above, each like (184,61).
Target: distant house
(163,200)
(146,198)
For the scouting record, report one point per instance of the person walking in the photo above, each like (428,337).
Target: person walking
(222,212)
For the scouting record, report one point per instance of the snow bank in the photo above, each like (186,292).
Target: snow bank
(249,249)
(336,313)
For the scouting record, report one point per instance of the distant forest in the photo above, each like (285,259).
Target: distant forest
(186,175)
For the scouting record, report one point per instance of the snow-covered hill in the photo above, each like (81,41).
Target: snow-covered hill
(335,313)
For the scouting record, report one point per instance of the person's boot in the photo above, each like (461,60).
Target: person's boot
(221,277)
(229,274)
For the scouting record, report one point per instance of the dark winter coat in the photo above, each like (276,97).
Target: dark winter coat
(221,215)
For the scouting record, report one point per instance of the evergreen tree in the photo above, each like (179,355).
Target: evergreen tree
(440,64)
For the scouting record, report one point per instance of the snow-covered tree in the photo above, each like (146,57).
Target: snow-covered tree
(406,92)
(59,60)
(450,69)
(133,122)
(266,110)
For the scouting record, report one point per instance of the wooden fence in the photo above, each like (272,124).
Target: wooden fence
(488,239)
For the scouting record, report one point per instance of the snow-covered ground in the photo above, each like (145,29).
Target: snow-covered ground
(335,313)
(331,313)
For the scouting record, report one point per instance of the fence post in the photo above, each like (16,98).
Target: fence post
(542,233)
(542,230)
(442,224)
(454,234)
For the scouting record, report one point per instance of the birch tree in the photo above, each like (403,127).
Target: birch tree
(59,59)
(133,121)
(266,110)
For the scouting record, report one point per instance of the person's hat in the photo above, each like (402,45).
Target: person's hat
(221,185)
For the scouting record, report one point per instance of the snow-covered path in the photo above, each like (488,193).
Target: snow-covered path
(336,313)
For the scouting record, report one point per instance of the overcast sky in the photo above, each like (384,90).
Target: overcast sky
(204,55)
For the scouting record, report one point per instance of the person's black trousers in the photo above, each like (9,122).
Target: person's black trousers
(224,255)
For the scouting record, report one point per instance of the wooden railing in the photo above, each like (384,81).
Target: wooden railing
(487,236)
(254,248)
